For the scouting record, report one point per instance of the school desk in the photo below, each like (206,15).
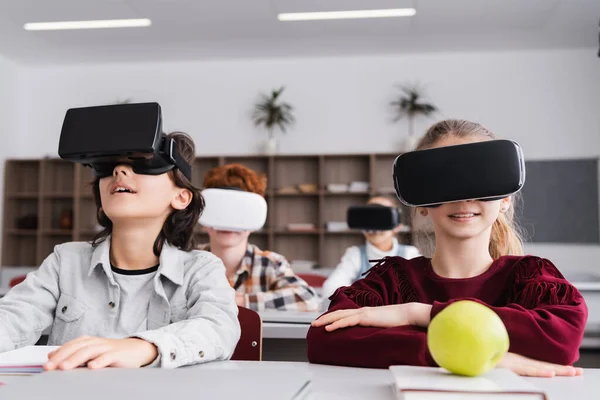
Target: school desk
(328,383)
(284,334)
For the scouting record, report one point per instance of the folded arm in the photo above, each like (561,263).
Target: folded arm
(365,346)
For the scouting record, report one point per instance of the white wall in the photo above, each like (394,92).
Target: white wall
(9,103)
(547,100)
(8,95)
(8,117)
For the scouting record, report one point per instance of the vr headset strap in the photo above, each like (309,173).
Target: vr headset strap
(173,154)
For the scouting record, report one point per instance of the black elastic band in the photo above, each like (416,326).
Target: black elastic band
(172,153)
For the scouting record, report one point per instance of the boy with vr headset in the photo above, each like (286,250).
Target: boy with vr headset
(139,294)
(263,280)
(382,320)
(379,244)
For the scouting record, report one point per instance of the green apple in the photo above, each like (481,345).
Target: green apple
(467,338)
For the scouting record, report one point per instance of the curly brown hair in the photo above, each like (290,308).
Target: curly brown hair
(236,175)
(178,229)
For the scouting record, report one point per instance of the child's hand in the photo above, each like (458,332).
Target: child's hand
(529,367)
(101,353)
(380,317)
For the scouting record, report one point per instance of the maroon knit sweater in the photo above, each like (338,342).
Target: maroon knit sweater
(543,313)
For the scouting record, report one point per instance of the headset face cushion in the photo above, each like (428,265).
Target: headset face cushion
(233,210)
(102,170)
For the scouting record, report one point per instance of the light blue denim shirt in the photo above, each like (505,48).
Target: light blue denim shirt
(192,315)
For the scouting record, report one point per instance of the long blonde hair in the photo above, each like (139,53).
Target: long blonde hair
(506,237)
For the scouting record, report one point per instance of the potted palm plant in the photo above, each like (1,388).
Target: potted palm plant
(409,104)
(273,114)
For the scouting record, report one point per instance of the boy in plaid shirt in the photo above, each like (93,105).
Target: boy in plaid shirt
(263,280)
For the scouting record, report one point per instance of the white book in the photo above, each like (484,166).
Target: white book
(337,226)
(301,226)
(425,383)
(358,187)
(26,356)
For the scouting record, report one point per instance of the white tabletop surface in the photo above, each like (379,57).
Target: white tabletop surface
(341,383)
(344,383)
(282,330)
(294,317)
(286,324)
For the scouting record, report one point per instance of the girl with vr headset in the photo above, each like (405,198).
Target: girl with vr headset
(139,294)
(262,279)
(382,319)
(378,244)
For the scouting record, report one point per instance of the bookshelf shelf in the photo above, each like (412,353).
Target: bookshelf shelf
(58,195)
(57,232)
(22,196)
(49,201)
(22,232)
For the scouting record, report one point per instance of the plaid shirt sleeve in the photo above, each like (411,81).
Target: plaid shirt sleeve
(283,290)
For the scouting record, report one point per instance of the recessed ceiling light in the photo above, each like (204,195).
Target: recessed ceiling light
(97,24)
(323,15)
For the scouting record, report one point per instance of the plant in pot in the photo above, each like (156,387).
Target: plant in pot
(272,113)
(408,104)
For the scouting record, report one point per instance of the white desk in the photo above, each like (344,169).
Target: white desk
(342,383)
(282,330)
(284,334)
(332,383)
(286,324)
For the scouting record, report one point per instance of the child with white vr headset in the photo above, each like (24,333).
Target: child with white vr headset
(235,207)
(378,244)
(139,294)
(471,179)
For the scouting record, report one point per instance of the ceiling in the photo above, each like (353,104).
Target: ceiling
(205,29)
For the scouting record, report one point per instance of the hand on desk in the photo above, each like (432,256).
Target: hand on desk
(416,314)
(529,367)
(101,353)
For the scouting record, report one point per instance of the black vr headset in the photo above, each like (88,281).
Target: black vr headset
(487,171)
(103,137)
(373,217)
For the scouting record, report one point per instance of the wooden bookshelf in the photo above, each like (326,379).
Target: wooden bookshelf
(49,201)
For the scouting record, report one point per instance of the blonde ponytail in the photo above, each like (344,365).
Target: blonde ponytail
(506,237)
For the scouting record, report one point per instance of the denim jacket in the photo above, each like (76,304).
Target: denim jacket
(192,315)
